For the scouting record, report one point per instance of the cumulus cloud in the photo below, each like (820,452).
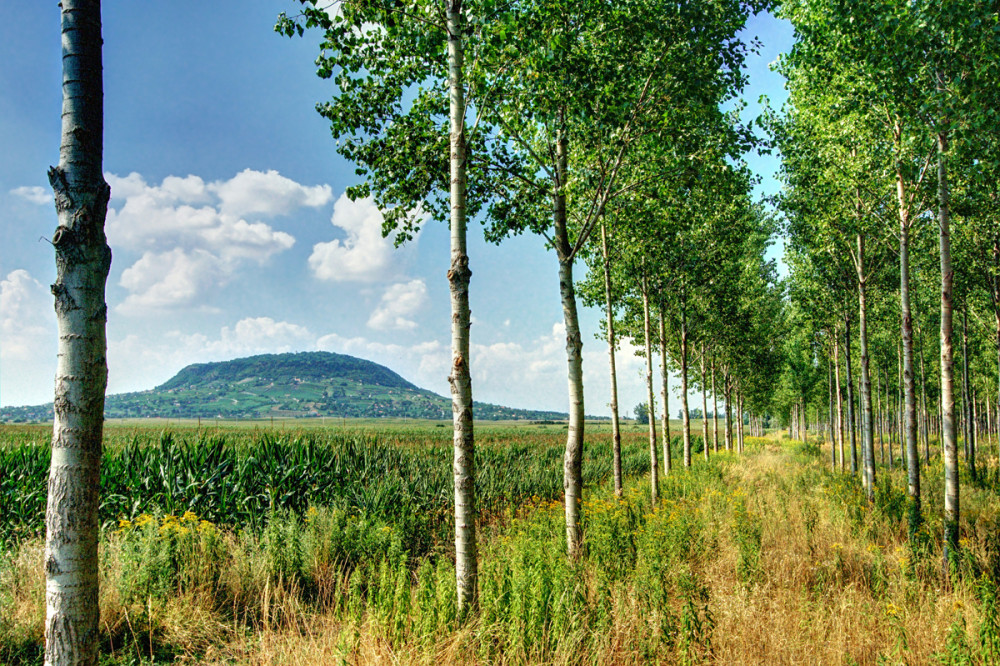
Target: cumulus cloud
(27,340)
(399,302)
(195,234)
(267,193)
(364,255)
(33,194)
(27,321)
(169,279)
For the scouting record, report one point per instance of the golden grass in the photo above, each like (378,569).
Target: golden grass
(829,590)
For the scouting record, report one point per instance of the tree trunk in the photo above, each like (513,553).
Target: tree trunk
(852,429)
(573,461)
(459,276)
(923,401)
(951,494)
(715,410)
(684,385)
(616,433)
(739,418)
(727,388)
(654,487)
(996,319)
(840,398)
(970,428)
(704,406)
(880,416)
(867,434)
(665,378)
(83,260)
(829,420)
(909,386)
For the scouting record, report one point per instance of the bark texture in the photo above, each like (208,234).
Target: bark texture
(459,276)
(867,430)
(686,416)
(654,487)
(909,383)
(83,260)
(949,439)
(665,379)
(616,433)
(573,460)
(852,428)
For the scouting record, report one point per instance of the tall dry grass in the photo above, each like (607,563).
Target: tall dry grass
(765,558)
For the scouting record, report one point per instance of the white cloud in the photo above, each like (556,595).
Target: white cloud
(25,328)
(267,193)
(27,340)
(34,194)
(364,255)
(171,279)
(192,234)
(399,302)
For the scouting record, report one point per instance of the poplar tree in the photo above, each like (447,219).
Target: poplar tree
(83,260)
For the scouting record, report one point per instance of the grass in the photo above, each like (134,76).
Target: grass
(764,558)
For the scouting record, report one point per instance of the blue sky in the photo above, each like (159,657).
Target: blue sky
(230,232)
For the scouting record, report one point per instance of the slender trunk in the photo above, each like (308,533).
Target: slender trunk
(727,382)
(616,434)
(951,494)
(867,434)
(840,397)
(684,385)
(573,461)
(909,386)
(850,400)
(879,418)
(715,410)
(996,319)
(829,420)
(654,487)
(970,432)
(83,260)
(888,419)
(739,418)
(459,276)
(665,379)
(923,401)
(704,406)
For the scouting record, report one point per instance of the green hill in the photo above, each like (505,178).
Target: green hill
(303,384)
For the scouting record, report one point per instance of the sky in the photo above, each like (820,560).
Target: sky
(229,226)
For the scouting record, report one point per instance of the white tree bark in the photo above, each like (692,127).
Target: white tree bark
(686,416)
(573,460)
(704,406)
(83,260)
(949,439)
(616,433)
(654,486)
(665,393)
(715,410)
(459,276)
(867,434)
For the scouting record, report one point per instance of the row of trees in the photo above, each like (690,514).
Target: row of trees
(596,126)
(565,118)
(890,160)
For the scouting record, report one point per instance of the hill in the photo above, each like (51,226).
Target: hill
(300,384)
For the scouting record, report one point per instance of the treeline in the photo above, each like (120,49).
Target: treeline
(891,158)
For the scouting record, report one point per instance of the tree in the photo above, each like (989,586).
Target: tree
(83,260)
(380,54)
(641,412)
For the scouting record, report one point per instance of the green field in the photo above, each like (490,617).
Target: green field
(262,544)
